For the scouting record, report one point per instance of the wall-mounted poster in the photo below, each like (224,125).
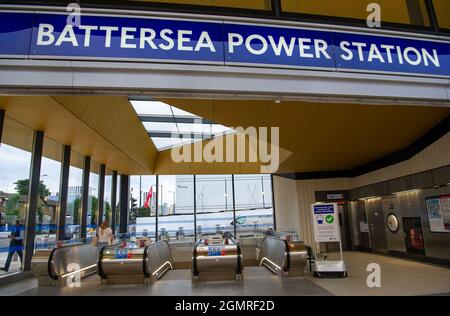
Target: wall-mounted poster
(438,210)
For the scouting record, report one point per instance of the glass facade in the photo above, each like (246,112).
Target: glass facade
(142,219)
(107,207)
(254,211)
(214,200)
(14,180)
(73,219)
(176,207)
(46,217)
(212,212)
(92,211)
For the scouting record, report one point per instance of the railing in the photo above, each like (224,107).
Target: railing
(157,260)
(282,257)
(58,263)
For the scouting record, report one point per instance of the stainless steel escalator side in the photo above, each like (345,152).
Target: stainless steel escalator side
(55,266)
(282,257)
(158,260)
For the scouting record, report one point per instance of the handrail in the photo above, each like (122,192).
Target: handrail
(49,265)
(150,271)
(279,255)
(288,256)
(50,258)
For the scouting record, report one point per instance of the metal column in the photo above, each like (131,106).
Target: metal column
(157,208)
(113,201)
(273,204)
(33,198)
(101,194)
(85,196)
(234,207)
(2,119)
(195,208)
(124,203)
(63,192)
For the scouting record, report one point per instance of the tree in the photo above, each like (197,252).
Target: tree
(23,185)
(107,211)
(76,210)
(94,209)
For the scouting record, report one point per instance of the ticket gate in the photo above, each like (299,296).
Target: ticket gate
(64,265)
(134,265)
(217,260)
(283,258)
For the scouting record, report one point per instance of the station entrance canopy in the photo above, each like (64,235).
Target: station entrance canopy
(140,53)
(104,37)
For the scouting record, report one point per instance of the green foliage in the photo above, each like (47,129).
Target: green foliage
(143,212)
(23,185)
(76,210)
(12,207)
(108,211)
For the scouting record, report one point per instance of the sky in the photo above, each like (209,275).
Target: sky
(15,165)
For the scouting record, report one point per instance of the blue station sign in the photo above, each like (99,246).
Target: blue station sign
(37,35)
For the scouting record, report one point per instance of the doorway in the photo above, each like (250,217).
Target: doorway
(377,224)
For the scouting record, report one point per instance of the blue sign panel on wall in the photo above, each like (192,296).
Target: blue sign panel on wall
(148,39)
(15,33)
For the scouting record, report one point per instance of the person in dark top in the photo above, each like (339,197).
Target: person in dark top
(15,245)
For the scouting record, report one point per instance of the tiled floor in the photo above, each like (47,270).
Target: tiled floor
(257,282)
(398,277)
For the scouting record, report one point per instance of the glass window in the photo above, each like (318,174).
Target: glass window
(108,187)
(214,203)
(48,202)
(442,9)
(176,207)
(92,211)
(143,206)
(254,211)
(72,228)
(393,11)
(117,224)
(15,160)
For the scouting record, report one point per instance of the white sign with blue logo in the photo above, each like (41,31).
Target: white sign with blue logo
(326,222)
(100,37)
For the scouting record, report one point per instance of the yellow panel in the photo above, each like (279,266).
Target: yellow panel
(248,4)
(17,135)
(442,8)
(66,127)
(391,10)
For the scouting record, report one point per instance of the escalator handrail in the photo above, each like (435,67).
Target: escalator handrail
(288,257)
(144,262)
(50,259)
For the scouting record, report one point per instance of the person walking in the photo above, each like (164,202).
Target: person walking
(15,245)
(105,234)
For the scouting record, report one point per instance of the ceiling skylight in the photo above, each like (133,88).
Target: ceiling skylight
(169,126)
